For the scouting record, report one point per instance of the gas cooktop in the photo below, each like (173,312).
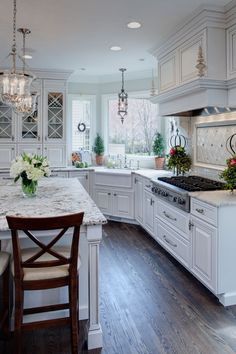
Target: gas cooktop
(192,183)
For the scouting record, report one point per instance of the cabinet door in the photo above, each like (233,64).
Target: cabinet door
(138,203)
(54,109)
(204,245)
(167,72)
(188,59)
(7,124)
(231,52)
(103,199)
(33,149)
(30,125)
(7,154)
(83,177)
(56,155)
(123,204)
(149,212)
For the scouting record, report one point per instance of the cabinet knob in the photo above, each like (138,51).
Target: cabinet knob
(109,193)
(200,211)
(46,138)
(190,225)
(13,148)
(115,194)
(38,137)
(12,138)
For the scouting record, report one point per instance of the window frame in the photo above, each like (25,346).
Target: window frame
(105,114)
(93,122)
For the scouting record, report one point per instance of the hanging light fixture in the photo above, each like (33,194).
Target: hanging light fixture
(123,99)
(27,102)
(14,85)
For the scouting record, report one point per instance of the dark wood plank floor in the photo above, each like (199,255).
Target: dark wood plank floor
(149,305)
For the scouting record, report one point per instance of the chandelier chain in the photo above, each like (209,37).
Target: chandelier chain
(14,37)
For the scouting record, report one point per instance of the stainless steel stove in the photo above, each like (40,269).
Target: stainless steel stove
(175,190)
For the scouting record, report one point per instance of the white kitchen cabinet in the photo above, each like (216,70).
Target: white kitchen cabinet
(114,195)
(148,205)
(103,199)
(34,149)
(44,131)
(56,154)
(167,69)
(7,154)
(204,246)
(83,177)
(138,198)
(231,52)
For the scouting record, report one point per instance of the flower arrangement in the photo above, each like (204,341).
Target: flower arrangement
(179,160)
(229,174)
(30,168)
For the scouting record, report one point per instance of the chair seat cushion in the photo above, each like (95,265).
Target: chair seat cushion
(4,258)
(46,272)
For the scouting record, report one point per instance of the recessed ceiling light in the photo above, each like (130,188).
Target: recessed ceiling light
(115,48)
(134,25)
(82,69)
(141,59)
(27,56)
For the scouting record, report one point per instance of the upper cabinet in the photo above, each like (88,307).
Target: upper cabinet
(195,62)
(43,131)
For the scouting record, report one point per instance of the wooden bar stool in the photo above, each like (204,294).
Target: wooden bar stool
(46,266)
(4,273)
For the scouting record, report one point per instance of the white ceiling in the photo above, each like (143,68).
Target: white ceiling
(75,34)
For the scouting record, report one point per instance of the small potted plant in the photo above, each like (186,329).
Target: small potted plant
(229,174)
(158,148)
(99,149)
(178,160)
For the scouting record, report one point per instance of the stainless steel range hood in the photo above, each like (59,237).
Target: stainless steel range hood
(199,97)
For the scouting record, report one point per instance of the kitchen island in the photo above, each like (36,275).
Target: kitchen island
(59,196)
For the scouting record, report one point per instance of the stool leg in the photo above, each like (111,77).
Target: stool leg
(73,297)
(6,302)
(19,303)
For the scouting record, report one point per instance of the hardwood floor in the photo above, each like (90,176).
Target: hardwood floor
(149,305)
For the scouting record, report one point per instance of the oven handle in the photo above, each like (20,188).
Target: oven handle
(168,216)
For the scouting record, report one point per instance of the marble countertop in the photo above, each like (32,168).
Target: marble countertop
(153,174)
(55,196)
(216,198)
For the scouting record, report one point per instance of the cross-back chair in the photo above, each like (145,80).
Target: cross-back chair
(44,267)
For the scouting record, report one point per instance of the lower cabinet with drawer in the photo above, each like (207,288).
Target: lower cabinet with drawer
(173,242)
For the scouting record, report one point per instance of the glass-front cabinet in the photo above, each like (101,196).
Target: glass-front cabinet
(55,125)
(7,124)
(30,125)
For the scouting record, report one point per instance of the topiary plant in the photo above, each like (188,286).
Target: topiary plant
(98,147)
(158,146)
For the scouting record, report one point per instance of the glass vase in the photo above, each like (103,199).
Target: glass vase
(29,187)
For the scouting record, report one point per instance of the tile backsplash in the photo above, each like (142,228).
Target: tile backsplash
(206,137)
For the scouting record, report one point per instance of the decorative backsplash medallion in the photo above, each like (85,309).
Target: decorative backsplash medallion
(211,140)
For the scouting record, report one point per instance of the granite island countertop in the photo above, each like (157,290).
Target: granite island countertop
(55,196)
(216,198)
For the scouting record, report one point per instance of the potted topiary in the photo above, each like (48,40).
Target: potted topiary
(99,149)
(158,149)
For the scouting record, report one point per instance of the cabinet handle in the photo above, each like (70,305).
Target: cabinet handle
(54,175)
(148,185)
(135,180)
(169,242)
(46,138)
(151,202)
(200,211)
(190,225)
(12,138)
(38,137)
(169,216)
(86,176)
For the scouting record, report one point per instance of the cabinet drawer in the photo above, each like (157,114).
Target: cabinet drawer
(204,211)
(173,216)
(173,242)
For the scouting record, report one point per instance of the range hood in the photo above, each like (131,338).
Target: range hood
(199,97)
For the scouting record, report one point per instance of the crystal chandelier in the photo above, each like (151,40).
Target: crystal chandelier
(123,99)
(14,85)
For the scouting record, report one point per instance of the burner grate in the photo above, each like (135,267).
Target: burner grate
(193,183)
